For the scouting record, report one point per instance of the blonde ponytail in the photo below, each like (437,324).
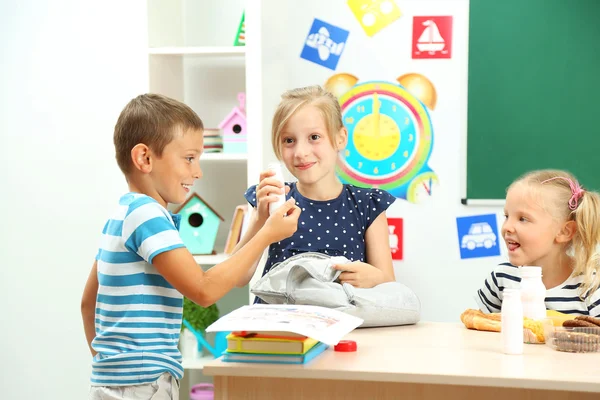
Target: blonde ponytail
(586,240)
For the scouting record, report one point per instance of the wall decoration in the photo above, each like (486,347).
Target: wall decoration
(420,87)
(339,84)
(395,227)
(234,128)
(199,225)
(240,37)
(390,139)
(324,44)
(478,236)
(432,37)
(374,15)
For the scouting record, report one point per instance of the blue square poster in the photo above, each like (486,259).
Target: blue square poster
(324,44)
(478,236)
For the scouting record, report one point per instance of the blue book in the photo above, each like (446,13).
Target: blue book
(276,358)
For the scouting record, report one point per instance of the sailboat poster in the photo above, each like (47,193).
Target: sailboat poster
(432,37)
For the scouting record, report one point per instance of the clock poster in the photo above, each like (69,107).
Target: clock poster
(390,136)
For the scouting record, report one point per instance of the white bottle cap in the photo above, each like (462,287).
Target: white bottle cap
(531,272)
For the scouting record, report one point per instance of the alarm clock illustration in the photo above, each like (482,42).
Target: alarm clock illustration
(390,139)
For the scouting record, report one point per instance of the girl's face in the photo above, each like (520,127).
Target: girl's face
(306,148)
(532,235)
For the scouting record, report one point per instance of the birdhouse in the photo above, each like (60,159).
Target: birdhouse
(234,128)
(199,225)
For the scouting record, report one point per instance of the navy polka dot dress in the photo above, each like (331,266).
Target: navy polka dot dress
(335,227)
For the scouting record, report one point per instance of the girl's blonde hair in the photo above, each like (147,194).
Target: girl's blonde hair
(294,99)
(570,202)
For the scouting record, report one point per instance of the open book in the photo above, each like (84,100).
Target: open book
(320,323)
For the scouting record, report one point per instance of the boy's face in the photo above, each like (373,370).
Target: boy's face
(306,148)
(174,173)
(529,230)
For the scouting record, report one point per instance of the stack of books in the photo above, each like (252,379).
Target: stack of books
(271,347)
(213,141)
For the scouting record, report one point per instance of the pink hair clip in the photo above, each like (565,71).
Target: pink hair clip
(576,191)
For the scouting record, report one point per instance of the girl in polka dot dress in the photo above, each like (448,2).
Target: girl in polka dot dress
(336,219)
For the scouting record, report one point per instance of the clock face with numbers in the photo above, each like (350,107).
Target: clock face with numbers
(390,137)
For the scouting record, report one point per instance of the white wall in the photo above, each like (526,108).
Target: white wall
(68,68)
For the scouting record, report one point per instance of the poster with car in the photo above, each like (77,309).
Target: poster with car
(478,236)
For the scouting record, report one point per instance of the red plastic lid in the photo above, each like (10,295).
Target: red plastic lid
(345,346)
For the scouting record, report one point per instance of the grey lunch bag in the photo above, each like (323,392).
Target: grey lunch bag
(308,278)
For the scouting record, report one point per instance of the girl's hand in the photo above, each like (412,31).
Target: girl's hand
(283,222)
(266,192)
(360,274)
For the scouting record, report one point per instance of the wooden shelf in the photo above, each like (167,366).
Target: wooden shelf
(198,51)
(211,259)
(223,157)
(196,363)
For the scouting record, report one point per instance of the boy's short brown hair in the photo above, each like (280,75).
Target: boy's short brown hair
(151,119)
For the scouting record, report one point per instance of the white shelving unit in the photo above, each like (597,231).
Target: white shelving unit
(196,363)
(223,157)
(191,58)
(199,51)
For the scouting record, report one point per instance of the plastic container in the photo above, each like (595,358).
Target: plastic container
(202,391)
(572,340)
(533,293)
(276,167)
(512,322)
(188,344)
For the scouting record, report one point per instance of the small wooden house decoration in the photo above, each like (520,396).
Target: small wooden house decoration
(234,128)
(199,225)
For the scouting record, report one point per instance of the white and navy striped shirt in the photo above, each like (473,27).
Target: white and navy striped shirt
(138,313)
(563,298)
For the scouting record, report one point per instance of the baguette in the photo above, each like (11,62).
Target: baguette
(533,331)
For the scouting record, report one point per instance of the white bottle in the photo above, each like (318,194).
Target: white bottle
(533,293)
(188,344)
(276,167)
(512,322)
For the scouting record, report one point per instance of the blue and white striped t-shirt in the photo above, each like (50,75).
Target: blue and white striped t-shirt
(563,298)
(138,313)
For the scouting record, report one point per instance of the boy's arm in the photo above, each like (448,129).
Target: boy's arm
(88,306)
(179,268)
(253,229)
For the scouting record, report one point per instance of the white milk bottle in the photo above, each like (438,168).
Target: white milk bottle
(533,293)
(512,322)
(276,167)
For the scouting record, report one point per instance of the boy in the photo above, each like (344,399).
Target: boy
(132,301)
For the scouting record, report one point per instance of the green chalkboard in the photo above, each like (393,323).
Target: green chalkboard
(533,92)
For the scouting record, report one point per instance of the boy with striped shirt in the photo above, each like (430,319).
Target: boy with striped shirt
(133,299)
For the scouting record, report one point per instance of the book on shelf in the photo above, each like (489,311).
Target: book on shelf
(236,228)
(315,351)
(269,345)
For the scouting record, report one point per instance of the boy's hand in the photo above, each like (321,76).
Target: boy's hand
(283,222)
(266,192)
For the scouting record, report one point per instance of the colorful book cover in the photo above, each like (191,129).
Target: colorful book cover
(276,358)
(269,345)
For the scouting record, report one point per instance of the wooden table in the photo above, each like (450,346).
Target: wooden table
(424,361)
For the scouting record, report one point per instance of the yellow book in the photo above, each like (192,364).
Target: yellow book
(269,345)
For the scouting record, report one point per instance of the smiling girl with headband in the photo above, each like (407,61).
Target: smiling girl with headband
(553,223)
